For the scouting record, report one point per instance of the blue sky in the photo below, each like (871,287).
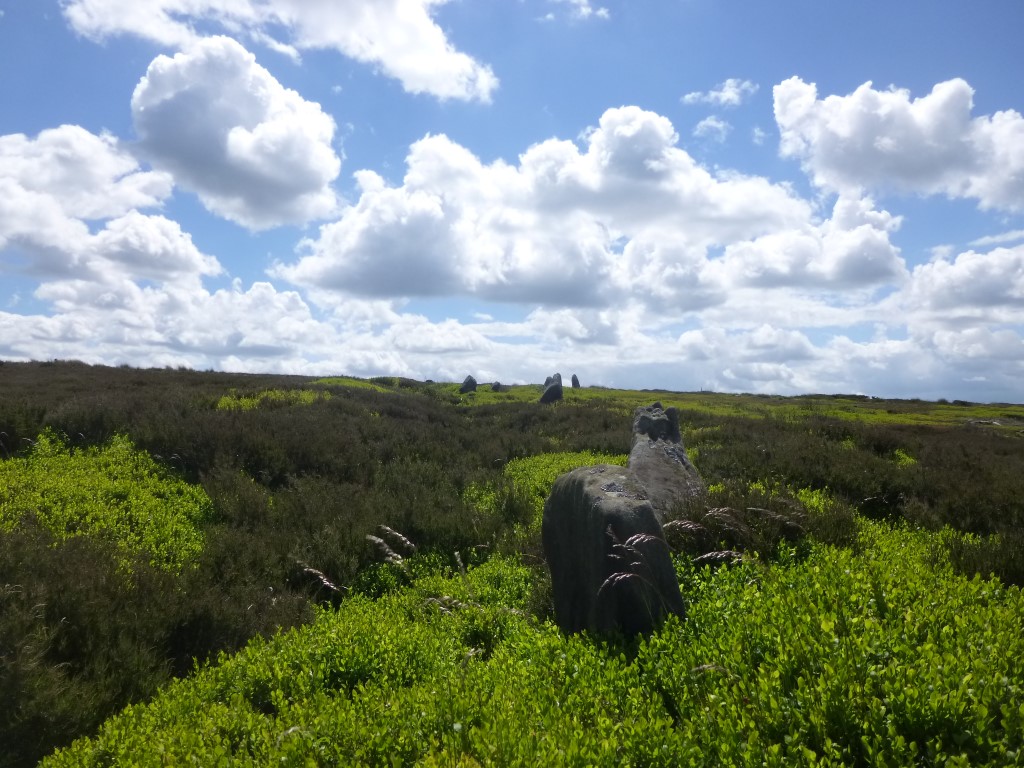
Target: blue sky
(775,197)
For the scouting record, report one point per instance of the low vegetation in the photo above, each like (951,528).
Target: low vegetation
(205,548)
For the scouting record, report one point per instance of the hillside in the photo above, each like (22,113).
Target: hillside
(257,611)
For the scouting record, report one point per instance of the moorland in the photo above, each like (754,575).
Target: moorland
(210,568)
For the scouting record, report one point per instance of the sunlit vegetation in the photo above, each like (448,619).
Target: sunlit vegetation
(112,493)
(874,658)
(271,398)
(871,616)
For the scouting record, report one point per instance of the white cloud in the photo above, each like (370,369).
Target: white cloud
(54,186)
(254,151)
(85,175)
(848,251)
(149,248)
(885,140)
(1003,237)
(713,128)
(730,93)
(399,37)
(582,9)
(987,286)
(630,214)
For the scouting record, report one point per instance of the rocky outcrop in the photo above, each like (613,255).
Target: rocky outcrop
(611,569)
(468,385)
(575,382)
(659,461)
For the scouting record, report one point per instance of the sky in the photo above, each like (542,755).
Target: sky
(801,196)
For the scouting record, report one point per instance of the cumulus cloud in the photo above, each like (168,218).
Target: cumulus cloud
(398,37)
(886,140)
(972,285)
(254,151)
(54,186)
(730,93)
(628,214)
(86,176)
(850,250)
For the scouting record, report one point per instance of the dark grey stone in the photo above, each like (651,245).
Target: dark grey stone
(552,392)
(498,387)
(659,460)
(468,385)
(575,382)
(611,569)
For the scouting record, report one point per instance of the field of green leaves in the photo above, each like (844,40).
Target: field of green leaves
(208,573)
(874,657)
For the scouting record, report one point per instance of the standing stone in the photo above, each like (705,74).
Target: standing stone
(611,569)
(498,387)
(552,392)
(659,460)
(468,385)
(575,382)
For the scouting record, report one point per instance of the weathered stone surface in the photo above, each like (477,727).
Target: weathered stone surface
(610,567)
(498,387)
(659,460)
(575,382)
(552,392)
(468,385)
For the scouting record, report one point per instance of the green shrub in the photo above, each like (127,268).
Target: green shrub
(114,493)
(271,397)
(839,659)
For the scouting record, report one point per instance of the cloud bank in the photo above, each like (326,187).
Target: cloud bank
(618,256)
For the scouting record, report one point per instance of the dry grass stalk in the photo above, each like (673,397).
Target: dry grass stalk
(320,577)
(387,553)
(397,539)
(717,558)
(729,520)
(683,526)
(784,521)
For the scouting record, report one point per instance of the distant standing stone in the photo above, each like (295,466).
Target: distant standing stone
(552,392)
(468,385)
(498,387)
(575,382)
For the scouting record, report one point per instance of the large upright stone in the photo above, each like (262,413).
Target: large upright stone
(659,460)
(611,569)
(468,385)
(575,382)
